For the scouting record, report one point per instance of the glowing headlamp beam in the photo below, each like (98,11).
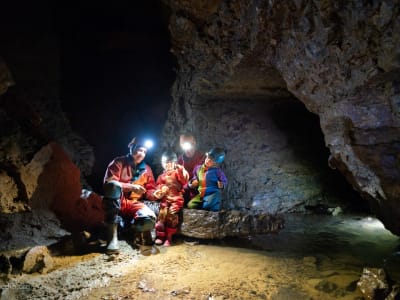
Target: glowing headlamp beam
(149,144)
(186,146)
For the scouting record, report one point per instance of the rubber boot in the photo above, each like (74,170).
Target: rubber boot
(170,232)
(113,247)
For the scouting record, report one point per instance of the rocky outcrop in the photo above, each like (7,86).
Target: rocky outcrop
(40,188)
(53,200)
(244,67)
(216,225)
(41,159)
(6,79)
(374,284)
(38,259)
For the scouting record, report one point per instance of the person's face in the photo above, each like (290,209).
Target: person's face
(209,162)
(139,155)
(190,152)
(169,165)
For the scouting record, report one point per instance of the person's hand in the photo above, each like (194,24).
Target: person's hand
(194,183)
(220,184)
(161,192)
(173,209)
(158,194)
(138,189)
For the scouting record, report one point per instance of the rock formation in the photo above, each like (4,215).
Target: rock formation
(244,67)
(41,159)
(287,88)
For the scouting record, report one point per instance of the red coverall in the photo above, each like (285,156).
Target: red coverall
(123,170)
(172,202)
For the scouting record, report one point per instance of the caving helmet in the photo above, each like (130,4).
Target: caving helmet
(139,143)
(217,155)
(187,141)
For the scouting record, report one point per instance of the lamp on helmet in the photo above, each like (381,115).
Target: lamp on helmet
(136,144)
(186,146)
(187,142)
(217,155)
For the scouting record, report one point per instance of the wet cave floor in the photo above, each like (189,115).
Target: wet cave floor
(314,257)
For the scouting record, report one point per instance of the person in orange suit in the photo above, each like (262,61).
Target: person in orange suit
(169,189)
(127,182)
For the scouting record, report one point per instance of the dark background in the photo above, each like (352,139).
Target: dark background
(116,74)
(115,67)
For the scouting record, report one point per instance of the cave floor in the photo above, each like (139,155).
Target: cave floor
(314,257)
(187,271)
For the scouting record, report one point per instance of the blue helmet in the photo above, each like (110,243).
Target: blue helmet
(217,155)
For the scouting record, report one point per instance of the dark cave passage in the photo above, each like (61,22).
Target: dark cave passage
(304,136)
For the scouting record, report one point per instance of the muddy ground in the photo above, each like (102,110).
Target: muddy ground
(187,271)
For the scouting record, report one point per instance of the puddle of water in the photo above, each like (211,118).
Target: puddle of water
(313,257)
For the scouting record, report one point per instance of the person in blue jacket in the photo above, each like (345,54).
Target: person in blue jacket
(209,179)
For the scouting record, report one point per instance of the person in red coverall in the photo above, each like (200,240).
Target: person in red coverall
(169,189)
(127,182)
(189,159)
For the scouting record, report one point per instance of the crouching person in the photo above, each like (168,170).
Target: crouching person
(169,189)
(127,182)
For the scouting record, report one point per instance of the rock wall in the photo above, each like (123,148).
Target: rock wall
(41,159)
(339,58)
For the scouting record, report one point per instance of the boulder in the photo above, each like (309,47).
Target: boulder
(228,223)
(38,259)
(373,283)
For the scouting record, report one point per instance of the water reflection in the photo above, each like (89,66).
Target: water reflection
(348,240)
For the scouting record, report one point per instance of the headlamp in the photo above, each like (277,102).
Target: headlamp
(148,144)
(186,146)
(135,144)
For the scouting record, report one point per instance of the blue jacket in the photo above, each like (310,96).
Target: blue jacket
(208,179)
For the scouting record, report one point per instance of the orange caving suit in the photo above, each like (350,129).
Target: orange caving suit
(120,172)
(168,220)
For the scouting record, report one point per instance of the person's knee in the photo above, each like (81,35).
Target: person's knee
(195,203)
(144,224)
(112,190)
(212,202)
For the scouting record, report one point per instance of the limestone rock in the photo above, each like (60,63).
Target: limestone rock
(6,79)
(373,283)
(216,225)
(243,66)
(28,229)
(38,259)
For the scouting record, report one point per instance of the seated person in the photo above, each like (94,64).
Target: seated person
(129,180)
(189,159)
(169,189)
(209,179)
